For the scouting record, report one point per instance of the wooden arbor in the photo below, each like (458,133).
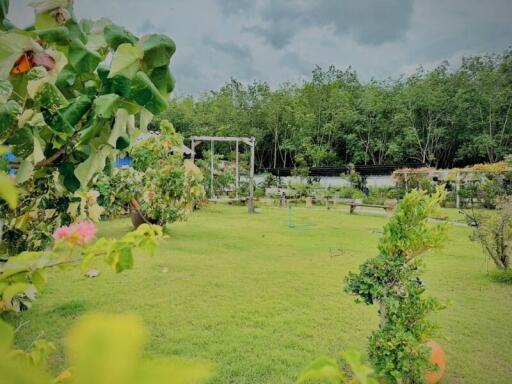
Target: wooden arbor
(250,141)
(456,175)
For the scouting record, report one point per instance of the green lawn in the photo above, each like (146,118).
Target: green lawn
(261,300)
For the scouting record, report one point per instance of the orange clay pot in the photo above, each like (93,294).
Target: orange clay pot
(437,357)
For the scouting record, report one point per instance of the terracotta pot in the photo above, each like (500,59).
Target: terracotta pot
(438,357)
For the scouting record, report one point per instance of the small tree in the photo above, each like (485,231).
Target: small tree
(392,280)
(494,231)
(73,95)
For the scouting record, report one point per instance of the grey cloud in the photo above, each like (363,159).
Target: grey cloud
(231,49)
(233,7)
(149,27)
(293,60)
(282,40)
(368,22)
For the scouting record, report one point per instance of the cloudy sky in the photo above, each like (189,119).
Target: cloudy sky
(282,40)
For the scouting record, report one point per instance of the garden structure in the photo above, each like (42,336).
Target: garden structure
(496,176)
(250,141)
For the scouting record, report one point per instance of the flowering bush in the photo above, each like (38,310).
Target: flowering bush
(81,233)
(171,185)
(117,190)
(44,205)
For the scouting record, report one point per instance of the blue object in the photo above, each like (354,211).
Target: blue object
(124,162)
(9,156)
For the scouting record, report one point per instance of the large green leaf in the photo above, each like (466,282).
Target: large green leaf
(22,143)
(163,80)
(119,128)
(76,32)
(126,61)
(58,35)
(118,84)
(145,119)
(144,93)
(95,163)
(69,180)
(116,35)
(94,128)
(158,50)
(66,78)
(6,337)
(105,105)
(78,107)
(9,113)
(5,91)
(25,171)
(39,145)
(8,191)
(82,59)
(50,97)
(4,9)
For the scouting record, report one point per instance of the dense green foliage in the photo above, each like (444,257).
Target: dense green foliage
(171,186)
(442,117)
(392,280)
(73,95)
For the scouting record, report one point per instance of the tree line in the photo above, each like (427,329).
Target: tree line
(442,117)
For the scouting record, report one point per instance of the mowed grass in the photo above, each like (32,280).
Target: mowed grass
(261,300)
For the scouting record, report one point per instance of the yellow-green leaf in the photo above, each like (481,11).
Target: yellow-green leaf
(8,191)
(126,61)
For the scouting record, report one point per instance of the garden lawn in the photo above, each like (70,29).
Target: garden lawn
(261,300)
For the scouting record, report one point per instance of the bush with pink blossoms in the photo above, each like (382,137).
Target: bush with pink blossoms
(80,233)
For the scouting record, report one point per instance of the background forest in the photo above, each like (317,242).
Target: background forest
(443,117)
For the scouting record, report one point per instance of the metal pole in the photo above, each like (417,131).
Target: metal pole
(251,177)
(193,147)
(237,177)
(212,148)
(457,188)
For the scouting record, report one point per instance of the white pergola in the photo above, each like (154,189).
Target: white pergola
(250,141)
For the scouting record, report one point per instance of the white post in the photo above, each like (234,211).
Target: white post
(251,179)
(457,188)
(237,176)
(211,169)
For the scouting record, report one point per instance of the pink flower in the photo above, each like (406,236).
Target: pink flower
(62,232)
(77,234)
(86,231)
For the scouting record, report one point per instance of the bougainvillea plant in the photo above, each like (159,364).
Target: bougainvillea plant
(73,94)
(392,280)
(172,186)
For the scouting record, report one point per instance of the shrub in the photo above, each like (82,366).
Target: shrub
(494,232)
(378,195)
(392,280)
(350,193)
(171,186)
(117,190)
